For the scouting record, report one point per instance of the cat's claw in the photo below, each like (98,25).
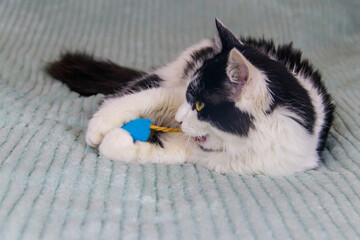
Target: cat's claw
(118,145)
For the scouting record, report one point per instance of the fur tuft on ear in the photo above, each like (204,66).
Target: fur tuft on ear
(247,84)
(228,39)
(238,68)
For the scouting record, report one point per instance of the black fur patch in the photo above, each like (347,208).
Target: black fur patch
(155,139)
(89,76)
(146,82)
(292,59)
(284,87)
(143,83)
(197,57)
(227,117)
(210,88)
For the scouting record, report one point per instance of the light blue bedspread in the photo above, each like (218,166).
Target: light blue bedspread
(52,186)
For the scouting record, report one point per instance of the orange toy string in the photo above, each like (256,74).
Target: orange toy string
(164,129)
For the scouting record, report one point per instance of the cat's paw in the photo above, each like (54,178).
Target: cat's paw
(98,127)
(118,145)
(95,131)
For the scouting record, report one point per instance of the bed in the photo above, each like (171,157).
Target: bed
(53,186)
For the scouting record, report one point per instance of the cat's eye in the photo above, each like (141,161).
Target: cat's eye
(199,105)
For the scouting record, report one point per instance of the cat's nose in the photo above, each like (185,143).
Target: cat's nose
(181,113)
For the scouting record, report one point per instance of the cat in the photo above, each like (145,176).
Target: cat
(244,105)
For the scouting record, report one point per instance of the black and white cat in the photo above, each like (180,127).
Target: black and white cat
(244,105)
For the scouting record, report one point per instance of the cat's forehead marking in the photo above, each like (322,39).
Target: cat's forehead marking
(197,57)
(207,83)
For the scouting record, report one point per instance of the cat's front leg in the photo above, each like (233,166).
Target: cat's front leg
(111,114)
(156,104)
(118,145)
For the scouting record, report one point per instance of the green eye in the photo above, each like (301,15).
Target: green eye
(199,105)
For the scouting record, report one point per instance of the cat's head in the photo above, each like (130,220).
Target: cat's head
(225,95)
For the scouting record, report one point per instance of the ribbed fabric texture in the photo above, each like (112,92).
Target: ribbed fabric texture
(53,186)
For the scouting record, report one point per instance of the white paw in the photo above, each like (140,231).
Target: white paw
(118,145)
(98,127)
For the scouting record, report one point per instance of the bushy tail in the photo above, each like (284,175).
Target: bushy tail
(88,76)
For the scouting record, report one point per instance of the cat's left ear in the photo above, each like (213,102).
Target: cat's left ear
(227,38)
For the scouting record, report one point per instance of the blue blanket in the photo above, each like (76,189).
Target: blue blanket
(53,186)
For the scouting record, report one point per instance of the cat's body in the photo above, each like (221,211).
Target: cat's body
(244,107)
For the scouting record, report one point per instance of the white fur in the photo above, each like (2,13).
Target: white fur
(173,72)
(277,145)
(119,145)
(316,101)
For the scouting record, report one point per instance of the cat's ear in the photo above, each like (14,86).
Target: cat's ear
(239,69)
(227,38)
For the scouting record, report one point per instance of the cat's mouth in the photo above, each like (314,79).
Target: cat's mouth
(200,139)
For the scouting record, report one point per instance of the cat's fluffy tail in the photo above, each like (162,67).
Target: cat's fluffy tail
(88,76)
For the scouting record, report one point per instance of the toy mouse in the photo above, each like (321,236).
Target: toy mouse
(140,129)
